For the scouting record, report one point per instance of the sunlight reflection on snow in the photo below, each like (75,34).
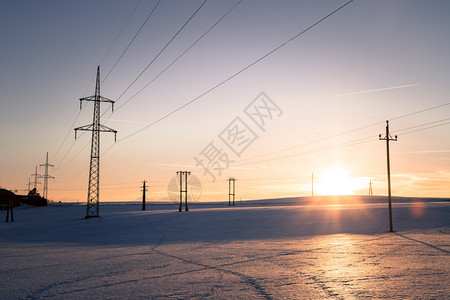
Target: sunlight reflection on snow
(340,261)
(418,208)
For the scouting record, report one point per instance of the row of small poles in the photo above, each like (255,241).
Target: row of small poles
(183,177)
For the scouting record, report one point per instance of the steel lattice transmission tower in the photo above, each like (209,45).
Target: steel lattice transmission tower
(29,185)
(36,176)
(46,177)
(92,207)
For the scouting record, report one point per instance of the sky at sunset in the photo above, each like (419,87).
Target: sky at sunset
(230,106)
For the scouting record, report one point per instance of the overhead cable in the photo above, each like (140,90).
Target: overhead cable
(237,73)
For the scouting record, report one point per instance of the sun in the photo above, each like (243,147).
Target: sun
(335,181)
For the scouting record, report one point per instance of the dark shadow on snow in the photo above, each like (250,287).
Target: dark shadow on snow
(426,244)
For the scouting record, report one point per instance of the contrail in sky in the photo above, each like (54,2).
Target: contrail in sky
(371,91)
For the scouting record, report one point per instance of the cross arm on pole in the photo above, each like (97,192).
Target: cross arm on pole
(97,98)
(83,128)
(104,128)
(388,136)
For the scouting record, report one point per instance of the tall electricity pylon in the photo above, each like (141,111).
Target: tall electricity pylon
(46,177)
(36,176)
(388,138)
(29,185)
(93,199)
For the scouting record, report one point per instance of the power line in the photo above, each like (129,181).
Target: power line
(239,72)
(344,144)
(164,48)
(65,138)
(425,124)
(364,127)
(224,81)
(62,132)
(236,75)
(134,37)
(119,34)
(103,188)
(78,111)
(156,55)
(331,147)
(75,176)
(182,54)
(426,128)
(421,111)
(320,140)
(75,156)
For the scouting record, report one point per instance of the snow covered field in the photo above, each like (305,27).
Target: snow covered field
(272,249)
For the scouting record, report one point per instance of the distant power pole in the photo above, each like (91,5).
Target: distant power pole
(312,184)
(36,176)
(388,138)
(93,198)
(29,184)
(46,177)
(370,188)
(231,191)
(185,191)
(144,189)
(10,210)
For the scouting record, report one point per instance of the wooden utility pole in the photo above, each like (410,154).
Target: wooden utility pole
(185,191)
(144,189)
(388,138)
(10,210)
(231,191)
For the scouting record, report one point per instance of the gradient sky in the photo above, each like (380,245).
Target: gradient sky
(370,62)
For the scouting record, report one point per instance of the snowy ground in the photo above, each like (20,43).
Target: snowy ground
(264,249)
